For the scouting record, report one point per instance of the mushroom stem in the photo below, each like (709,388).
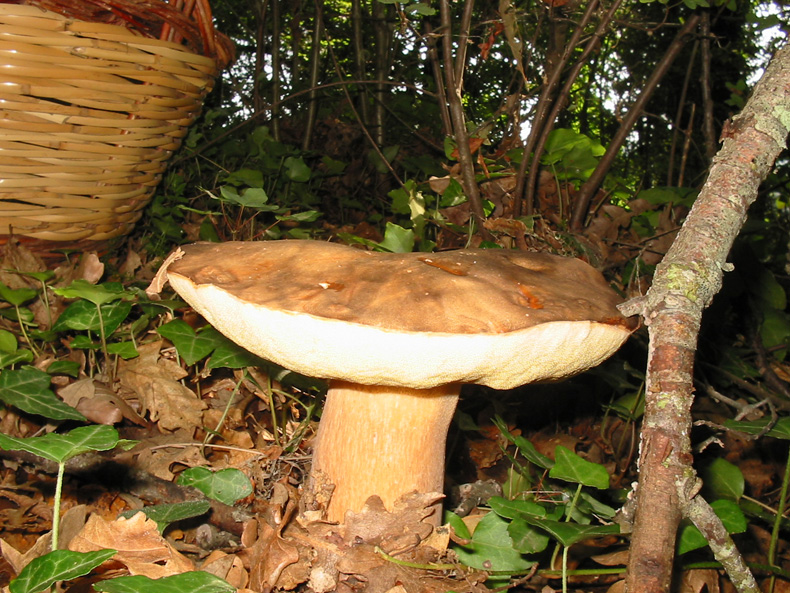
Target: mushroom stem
(387,441)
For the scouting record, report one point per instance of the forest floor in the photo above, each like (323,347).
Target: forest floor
(181,411)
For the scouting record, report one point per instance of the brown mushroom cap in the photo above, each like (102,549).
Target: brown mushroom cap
(495,317)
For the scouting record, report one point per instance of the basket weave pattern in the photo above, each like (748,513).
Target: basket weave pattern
(89,115)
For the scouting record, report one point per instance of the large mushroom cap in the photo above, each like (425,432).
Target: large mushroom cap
(495,317)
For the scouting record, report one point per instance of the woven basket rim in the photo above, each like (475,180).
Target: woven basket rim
(89,116)
(76,30)
(186,24)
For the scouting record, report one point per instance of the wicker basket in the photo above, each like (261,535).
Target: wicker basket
(89,115)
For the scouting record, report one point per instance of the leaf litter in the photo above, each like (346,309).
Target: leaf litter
(188,416)
(185,417)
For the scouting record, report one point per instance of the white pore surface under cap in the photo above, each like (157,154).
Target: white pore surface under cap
(334,349)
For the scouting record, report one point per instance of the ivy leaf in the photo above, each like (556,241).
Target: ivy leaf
(527,538)
(193,582)
(28,390)
(16,296)
(570,533)
(297,170)
(226,485)
(191,346)
(731,515)
(780,430)
(62,447)
(82,315)
(167,513)
(397,239)
(491,547)
(59,565)
(98,294)
(524,446)
(570,467)
(723,479)
(512,509)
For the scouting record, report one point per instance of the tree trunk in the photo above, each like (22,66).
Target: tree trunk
(683,286)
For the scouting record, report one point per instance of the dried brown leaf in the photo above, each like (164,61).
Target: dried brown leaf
(158,461)
(226,566)
(155,382)
(140,545)
(269,556)
(71,523)
(699,580)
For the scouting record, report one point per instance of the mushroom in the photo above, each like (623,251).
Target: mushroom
(396,335)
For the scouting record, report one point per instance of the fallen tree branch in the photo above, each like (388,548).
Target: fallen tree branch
(684,284)
(702,515)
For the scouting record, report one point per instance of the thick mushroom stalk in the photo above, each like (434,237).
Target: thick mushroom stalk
(396,335)
(394,437)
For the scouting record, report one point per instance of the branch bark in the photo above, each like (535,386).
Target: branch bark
(562,98)
(708,127)
(315,66)
(588,189)
(453,88)
(553,72)
(683,286)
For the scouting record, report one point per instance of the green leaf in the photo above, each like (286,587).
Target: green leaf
(83,342)
(82,315)
(229,355)
(780,430)
(253,197)
(8,343)
(59,565)
(512,509)
(297,170)
(331,166)
(125,350)
(589,506)
(192,582)
(226,485)
(389,153)
(453,195)
(16,296)
(570,533)
(572,468)
(527,538)
(98,294)
(248,177)
(564,141)
(64,367)
(165,514)
(450,148)
(723,479)
(731,516)
(191,346)
(40,276)
(306,216)
(7,359)
(678,196)
(421,8)
(491,547)
(774,329)
(28,390)
(397,239)
(769,291)
(62,447)
(525,447)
